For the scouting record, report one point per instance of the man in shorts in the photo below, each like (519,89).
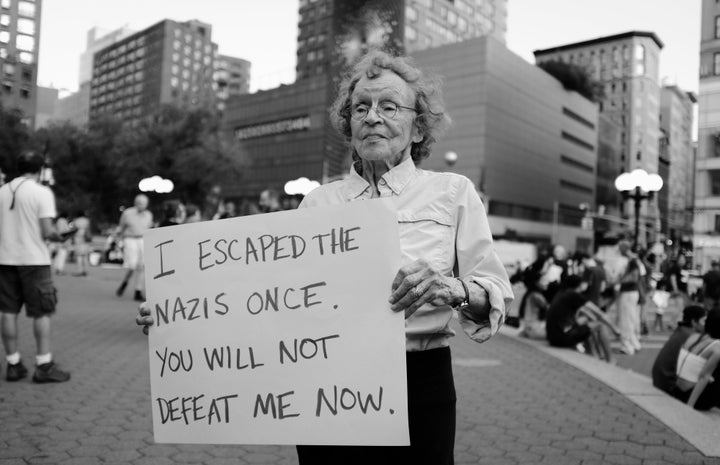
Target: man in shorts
(27,210)
(134,221)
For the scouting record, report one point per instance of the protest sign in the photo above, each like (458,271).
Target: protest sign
(276,329)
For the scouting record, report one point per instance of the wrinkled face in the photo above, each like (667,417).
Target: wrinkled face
(383,139)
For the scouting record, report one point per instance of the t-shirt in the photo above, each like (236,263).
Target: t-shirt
(595,277)
(134,223)
(561,314)
(21,241)
(663,370)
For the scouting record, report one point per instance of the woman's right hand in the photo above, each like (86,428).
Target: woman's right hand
(144,317)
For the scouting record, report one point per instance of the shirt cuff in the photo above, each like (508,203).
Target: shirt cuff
(482,325)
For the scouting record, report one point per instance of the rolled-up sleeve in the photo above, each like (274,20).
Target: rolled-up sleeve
(477,261)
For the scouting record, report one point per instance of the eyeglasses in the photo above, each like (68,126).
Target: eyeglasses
(385,110)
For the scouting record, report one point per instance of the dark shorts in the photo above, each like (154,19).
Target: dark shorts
(29,285)
(431,411)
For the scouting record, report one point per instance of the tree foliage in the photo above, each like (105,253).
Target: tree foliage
(97,169)
(14,137)
(574,77)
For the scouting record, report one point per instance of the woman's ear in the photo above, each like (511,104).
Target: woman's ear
(416,136)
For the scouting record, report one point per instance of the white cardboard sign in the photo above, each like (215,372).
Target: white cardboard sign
(276,329)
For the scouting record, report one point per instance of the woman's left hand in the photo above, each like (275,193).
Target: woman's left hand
(419,283)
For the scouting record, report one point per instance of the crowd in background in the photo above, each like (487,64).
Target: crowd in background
(586,302)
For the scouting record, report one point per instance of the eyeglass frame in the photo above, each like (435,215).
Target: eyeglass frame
(374,108)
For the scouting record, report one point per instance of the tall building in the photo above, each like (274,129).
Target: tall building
(627,65)
(676,122)
(232,78)
(169,62)
(75,107)
(46,106)
(706,224)
(19,45)
(333,33)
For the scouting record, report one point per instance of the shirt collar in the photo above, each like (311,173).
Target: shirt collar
(397,178)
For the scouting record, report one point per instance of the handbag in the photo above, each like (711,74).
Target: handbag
(689,366)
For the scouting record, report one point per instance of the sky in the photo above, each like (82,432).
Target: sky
(265,31)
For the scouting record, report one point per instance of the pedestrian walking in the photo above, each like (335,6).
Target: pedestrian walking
(629,300)
(134,221)
(81,242)
(27,211)
(62,225)
(390,113)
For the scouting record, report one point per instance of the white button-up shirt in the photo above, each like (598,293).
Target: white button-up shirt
(442,220)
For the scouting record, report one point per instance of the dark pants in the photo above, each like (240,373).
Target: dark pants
(431,410)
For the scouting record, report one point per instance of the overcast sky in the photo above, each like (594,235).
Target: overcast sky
(265,31)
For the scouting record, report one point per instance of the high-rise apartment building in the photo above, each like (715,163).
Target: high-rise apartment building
(333,33)
(676,122)
(76,106)
(627,65)
(232,77)
(19,45)
(169,62)
(706,225)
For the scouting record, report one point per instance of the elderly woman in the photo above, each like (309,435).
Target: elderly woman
(391,113)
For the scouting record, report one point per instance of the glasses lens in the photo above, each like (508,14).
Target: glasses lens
(388,110)
(359,112)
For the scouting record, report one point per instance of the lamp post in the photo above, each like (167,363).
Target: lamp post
(638,186)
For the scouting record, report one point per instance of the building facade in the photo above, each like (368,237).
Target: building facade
(676,122)
(706,239)
(333,33)
(19,46)
(169,62)
(45,106)
(232,78)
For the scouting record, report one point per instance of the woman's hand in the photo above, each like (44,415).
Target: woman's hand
(419,283)
(144,318)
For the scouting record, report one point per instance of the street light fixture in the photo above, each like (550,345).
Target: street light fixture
(638,186)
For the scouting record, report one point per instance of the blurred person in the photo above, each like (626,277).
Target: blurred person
(573,321)
(660,298)
(134,222)
(248,207)
(62,225)
(698,370)
(192,213)
(533,306)
(711,286)
(665,365)
(173,213)
(269,201)
(593,273)
(630,292)
(81,240)
(27,210)
(213,204)
(229,210)
(390,113)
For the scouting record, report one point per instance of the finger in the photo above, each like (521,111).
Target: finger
(408,270)
(146,329)
(423,297)
(406,293)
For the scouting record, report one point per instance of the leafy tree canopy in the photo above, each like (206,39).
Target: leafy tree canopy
(574,77)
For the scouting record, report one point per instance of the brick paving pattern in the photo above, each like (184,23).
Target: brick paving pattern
(515,405)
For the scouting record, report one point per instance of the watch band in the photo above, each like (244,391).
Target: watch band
(466,300)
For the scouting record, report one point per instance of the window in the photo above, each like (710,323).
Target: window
(26,9)
(3,53)
(410,33)
(411,13)
(26,43)
(4,36)
(5,4)
(25,93)
(8,69)
(5,20)
(717,27)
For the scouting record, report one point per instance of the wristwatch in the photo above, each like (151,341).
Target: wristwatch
(466,299)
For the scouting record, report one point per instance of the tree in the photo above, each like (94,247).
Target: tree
(574,77)
(14,137)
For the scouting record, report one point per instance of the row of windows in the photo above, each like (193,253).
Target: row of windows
(23,57)
(112,65)
(108,94)
(9,70)
(312,40)
(23,25)
(25,7)
(128,69)
(23,42)
(8,89)
(121,50)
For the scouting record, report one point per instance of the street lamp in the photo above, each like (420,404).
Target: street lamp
(638,186)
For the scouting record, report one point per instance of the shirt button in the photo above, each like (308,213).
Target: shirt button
(382,182)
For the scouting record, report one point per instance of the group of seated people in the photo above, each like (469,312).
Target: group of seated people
(687,366)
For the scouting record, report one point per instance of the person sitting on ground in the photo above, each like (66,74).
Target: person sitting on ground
(664,368)
(572,320)
(533,305)
(698,370)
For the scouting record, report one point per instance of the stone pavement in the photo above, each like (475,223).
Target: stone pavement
(516,404)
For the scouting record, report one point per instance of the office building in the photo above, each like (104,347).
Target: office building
(45,106)
(19,45)
(333,33)
(513,125)
(169,62)
(676,122)
(706,224)
(232,78)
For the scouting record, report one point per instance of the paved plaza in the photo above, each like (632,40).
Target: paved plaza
(518,403)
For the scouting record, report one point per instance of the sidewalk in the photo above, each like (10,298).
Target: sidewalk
(517,403)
